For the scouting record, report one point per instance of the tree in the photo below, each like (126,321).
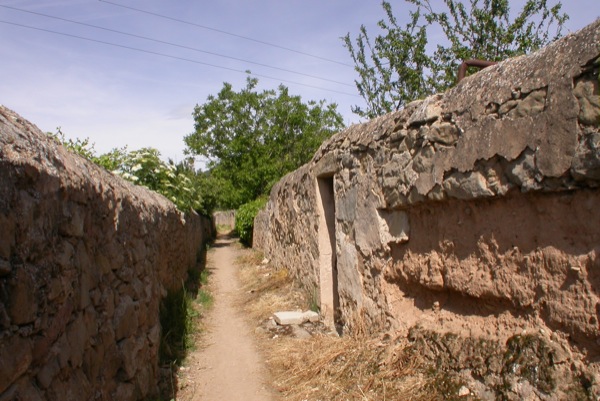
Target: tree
(251,139)
(179,183)
(398,66)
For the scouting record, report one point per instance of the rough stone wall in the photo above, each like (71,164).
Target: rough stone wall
(472,212)
(85,259)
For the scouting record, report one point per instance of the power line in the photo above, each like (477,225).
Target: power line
(176,45)
(175,57)
(228,33)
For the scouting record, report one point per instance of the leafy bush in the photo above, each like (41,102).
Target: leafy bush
(82,147)
(179,183)
(244,219)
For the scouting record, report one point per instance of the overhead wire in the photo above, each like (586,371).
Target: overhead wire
(227,33)
(175,57)
(175,45)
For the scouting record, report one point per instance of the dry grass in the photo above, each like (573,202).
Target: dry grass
(327,367)
(348,368)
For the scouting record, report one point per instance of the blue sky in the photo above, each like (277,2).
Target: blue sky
(117,96)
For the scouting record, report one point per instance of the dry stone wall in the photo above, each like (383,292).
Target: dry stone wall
(85,259)
(473,212)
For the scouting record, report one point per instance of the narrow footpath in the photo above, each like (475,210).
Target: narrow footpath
(226,364)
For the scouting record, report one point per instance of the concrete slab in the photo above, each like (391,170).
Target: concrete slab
(310,316)
(288,318)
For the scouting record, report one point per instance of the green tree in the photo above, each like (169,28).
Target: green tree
(251,139)
(398,66)
(179,183)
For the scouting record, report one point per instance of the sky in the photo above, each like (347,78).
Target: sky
(124,90)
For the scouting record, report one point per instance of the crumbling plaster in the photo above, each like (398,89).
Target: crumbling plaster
(474,211)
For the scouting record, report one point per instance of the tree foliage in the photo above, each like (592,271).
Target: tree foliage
(179,183)
(251,139)
(244,219)
(398,66)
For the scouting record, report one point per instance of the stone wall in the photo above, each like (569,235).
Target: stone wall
(85,259)
(473,212)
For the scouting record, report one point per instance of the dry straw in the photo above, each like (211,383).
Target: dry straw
(325,366)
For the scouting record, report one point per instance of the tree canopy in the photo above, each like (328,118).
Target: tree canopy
(251,138)
(398,66)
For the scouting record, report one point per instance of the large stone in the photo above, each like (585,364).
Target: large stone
(23,303)
(310,316)
(130,348)
(444,132)
(467,186)
(125,319)
(15,358)
(7,239)
(588,95)
(288,318)
(393,226)
(23,389)
(48,372)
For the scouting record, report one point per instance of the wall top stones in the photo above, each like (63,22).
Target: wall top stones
(529,123)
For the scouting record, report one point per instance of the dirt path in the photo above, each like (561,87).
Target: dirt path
(227,365)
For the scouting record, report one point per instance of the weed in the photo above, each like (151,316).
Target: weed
(313,299)
(176,326)
(204,277)
(179,315)
(204,298)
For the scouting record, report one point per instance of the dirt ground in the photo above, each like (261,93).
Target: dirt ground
(226,364)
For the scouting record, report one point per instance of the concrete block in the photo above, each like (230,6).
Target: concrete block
(310,316)
(289,318)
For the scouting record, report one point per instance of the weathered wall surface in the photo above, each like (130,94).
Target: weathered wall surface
(85,259)
(474,212)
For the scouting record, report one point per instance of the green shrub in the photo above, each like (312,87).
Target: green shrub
(244,219)
(180,183)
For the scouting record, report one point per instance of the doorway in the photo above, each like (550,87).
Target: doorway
(328,275)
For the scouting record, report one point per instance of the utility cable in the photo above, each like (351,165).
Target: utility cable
(175,57)
(176,45)
(227,33)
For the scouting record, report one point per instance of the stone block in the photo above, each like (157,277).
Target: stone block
(23,305)
(23,389)
(288,318)
(393,226)
(7,239)
(15,358)
(126,320)
(47,373)
(310,316)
